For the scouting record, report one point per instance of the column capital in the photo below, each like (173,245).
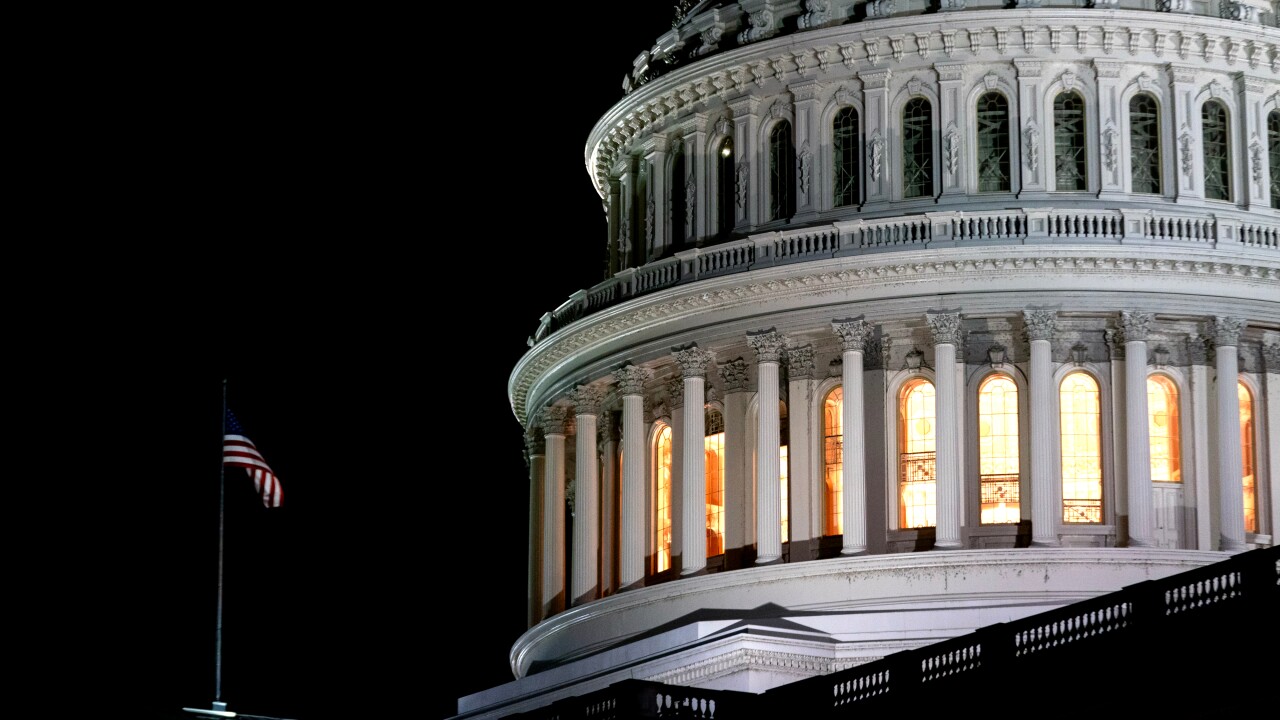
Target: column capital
(606,431)
(675,392)
(587,399)
(945,328)
(692,359)
(1136,325)
(554,419)
(1226,330)
(800,362)
(534,443)
(1115,340)
(768,344)
(733,375)
(631,379)
(1040,323)
(1271,355)
(1197,350)
(854,333)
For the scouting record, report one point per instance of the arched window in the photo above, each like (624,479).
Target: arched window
(917,148)
(993,143)
(1217,150)
(662,513)
(917,458)
(1080,417)
(1273,150)
(1144,144)
(1068,142)
(833,462)
(782,172)
(1248,463)
(846,170)
(1162,410)
(998,451)
(725,179)
(713,447)
(677,204)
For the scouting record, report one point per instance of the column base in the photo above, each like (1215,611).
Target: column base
(768,560)
(1229,545)
(947,546)
(849,552)
(694,572)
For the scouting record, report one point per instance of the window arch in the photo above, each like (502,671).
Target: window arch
(1162,413)
(662,503)
(998,461)
(846,170)
(1080,428)
(677,204)
(993,143)
(1248,460)
(782,172)
(833,462)
(725,178)
(1273,150)
(917,456)
(917,148)
(1144,144)
(1069,160)
(1216,141)
(713,449)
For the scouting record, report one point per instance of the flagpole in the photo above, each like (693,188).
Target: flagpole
(222,493)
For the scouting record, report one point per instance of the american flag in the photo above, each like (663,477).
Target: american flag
(239,451)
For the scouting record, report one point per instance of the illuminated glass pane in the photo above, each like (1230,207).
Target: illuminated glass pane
(998,467)
(782,172)
(1217,157)
(917,148)
(1247,460)
(847,169)
(917,458)
(1162,410)
(993,143)
(663,520)
(1144,144)
(713,446)
(1081,424)
(786,504)
(1068,142)
(725,177)
(833,461)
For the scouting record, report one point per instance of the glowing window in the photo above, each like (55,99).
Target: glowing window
(1144,144)
(993,143)
(1081,428)
(848,172)
(998,450)
(1217,150)
(833,461)
(713,447)
(917,459)
(786,503)
(725,188)
(1162,409)
(917,148)
(663,520)
(1247,461)
(1068,142)
(782,172)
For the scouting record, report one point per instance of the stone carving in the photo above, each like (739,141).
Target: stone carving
(586,399)
(879,8)
(631,379)
(1216,89)
(724,128)
(740,184)
(1255,155)
(650,211)
(873,52)
(914,85)
(1082,39)
(758,73)
(554,419)
(1226,330)
(815,14)
(824,58)
(1031,137)
(710,40)
(895,46)
(854,333)
(1252,51)
(624,237)
(1068,79)
(1145,83)
(1110,146)
(768,344)
(1184,44)
(1108,39)
(1136,325)
(1055,39)
(1040,323)
(913,360)
(989,80)
(778,69)
(953,149)
(806,166)
(945,328)
(1002,40)
(675,392)
(534,443)
(781,109)
(843,96)
(922,44)
(875,152)
(1185,141)
(1233,49)
(1271,355)
(761,24)
(1197,349)
(800,362)
(693,360)
(801,63)
(733,375)
(1243,12)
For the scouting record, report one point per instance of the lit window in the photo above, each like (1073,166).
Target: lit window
(782,172)
(1217,150)
(713,447)
(998,450)
(847,170)
(725,177)
(917,459)
(663,520)
(917,148)
(786,504)
(1273,150)
(993,143)
(1144,144)
(833,461)
(1068,142)
(1081,429)
(1162,407)
(1247,461)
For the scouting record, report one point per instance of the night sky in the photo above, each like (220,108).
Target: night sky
(357,228)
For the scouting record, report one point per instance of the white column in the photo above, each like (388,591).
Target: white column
(608,502)
(1137,428)
(805,518)
(630,381)
(535,452)
(693,363)
(586,489)
(1200,404)
(768,347)
(737,480)
(1044,515)
(1226,333)
(553,428)
(946,336)
(853,338)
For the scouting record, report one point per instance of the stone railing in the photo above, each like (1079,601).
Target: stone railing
(910,232)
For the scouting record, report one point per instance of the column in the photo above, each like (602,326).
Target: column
(854,335)
(535,457)
(945,328)
(693,363)
(737,483)
(951,122)
(1201,397)
(631,381)
(626,213)
(586,524)
(1112,132)
(879,132)
(804,519)
(1226,335)
(1253,128)
(808,144)
(1034,165)
(613,207)
(554,419)
(675,399)
(703,169)
(1137,428)
(608,446)
(768,347)
(1188,164)
(1044,515)
(655,217)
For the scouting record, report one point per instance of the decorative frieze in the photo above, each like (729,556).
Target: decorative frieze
(800,362)
(945,328)
(740,184)
(854,333)
(554,420)
(805,161)
(1226,330)
(631,379)
(768,344)
(733,375)
(1136,325)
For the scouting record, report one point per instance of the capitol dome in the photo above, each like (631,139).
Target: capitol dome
(918,318)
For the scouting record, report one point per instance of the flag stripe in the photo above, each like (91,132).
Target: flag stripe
(239,451)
